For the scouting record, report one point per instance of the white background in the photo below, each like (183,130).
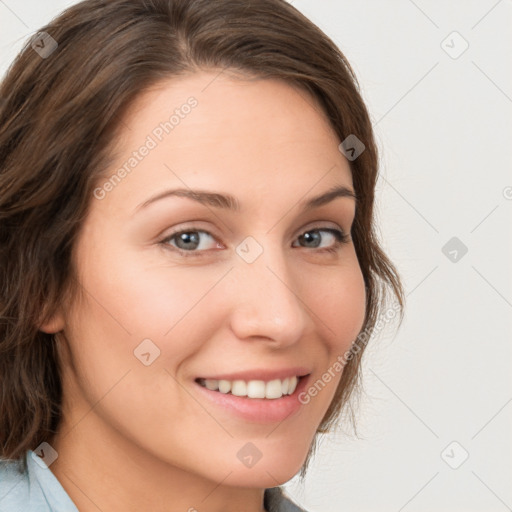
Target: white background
(444,127)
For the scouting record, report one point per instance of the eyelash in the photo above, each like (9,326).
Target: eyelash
(341,239)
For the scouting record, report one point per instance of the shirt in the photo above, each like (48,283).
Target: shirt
(38,490)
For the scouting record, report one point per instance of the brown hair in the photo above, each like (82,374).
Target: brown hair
(59,119)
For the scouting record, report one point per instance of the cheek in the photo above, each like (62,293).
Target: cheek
(124,304)
(141,295)
(340,306)
(338,300)
(126,300)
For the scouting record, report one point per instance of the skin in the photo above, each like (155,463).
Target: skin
(138,437)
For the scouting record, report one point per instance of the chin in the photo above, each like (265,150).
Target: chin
(272,470)
(261,479)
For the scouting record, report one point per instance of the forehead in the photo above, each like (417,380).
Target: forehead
(244,136)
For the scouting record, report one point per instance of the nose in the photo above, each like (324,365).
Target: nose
(266,303)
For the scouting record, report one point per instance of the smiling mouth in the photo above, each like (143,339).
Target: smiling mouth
(272,389)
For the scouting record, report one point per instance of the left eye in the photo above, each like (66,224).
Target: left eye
(339,236)
(190,241)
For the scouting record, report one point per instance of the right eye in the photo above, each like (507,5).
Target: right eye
(188,241)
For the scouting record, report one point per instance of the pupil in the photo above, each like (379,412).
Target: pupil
(189,238)
(312,236)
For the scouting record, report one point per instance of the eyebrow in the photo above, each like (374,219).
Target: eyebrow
(229,202)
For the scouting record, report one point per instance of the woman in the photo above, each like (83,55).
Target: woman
(189,267)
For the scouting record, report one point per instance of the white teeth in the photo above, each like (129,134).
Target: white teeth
(284,386)
(254,388)
(224,386)
(292,385)
(239,388)
(212,384)
(274,389)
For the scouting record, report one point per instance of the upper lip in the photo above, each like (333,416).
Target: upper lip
(261,374)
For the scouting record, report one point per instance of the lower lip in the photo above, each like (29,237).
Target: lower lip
(258,410)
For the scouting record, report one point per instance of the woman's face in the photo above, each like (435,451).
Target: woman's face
(261,292)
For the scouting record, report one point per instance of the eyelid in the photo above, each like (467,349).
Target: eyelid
(308,227)
(186,227)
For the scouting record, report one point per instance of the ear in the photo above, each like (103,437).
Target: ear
(53,324)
